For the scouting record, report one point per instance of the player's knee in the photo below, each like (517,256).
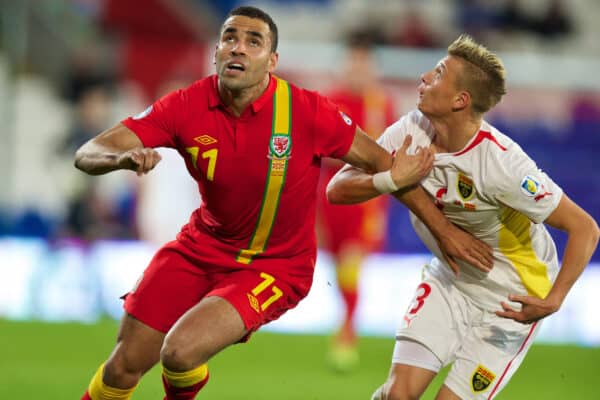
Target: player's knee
(121,370)
(398,390)
(177,357)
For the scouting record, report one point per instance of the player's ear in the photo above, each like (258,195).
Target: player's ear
(461,100)
(273,60)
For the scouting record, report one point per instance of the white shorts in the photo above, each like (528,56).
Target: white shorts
(484,349)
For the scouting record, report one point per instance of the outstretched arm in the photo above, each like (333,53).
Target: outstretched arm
(581,243)
(115,148)
(352,185)
(355,183)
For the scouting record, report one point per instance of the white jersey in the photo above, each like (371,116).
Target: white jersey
(494,191)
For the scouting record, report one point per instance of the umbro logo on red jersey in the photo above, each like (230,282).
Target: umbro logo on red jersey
(205,140)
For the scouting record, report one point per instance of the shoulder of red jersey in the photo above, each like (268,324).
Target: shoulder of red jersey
(205,85)
(304,95)
(198,94)
(316,101)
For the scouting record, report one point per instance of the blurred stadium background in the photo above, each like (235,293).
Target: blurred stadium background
(71,244)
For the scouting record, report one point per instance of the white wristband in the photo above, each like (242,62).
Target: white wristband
(384,183)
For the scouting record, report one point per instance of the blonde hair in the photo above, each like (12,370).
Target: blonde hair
(483,74)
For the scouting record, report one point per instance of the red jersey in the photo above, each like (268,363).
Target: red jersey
(363,223)
(257,173)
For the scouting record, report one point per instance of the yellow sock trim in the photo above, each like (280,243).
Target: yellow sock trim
(186,378)
(99,391)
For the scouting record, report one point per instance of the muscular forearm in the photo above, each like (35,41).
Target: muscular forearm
(350,186)
(367,155)
(97,160)
(391,173)
(354,183)
(112,150)
(580,246)
(423,207)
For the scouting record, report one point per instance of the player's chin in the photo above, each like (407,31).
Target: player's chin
(233,82)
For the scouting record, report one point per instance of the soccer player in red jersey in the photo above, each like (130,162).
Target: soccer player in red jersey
(254,144)
(350,232)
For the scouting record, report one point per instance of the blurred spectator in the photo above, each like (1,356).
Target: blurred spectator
(585,111)
(160,38)
(414,31)
(510,18)
(351,232)
(92,110)
(556,21)
(86,70)
(93,211)
(478,18)
(475,17)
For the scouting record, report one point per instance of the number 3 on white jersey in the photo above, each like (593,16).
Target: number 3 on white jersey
(423,291)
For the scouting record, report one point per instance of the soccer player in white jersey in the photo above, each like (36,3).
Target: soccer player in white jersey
(481,322)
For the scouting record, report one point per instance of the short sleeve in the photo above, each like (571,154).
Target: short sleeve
(158,125)
(522,186)
(334,130)
(393,137)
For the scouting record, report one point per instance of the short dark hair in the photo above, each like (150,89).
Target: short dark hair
(254,12)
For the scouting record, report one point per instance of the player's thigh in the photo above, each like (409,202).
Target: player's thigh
(239,303)
(262,295)
(137,349)
(203,331)
(434,318)
(170,285)
(489,356)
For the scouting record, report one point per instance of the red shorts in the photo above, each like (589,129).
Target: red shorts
(173,283)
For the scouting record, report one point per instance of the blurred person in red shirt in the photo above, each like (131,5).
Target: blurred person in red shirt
(350,232)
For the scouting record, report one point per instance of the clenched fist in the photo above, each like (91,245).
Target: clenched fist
(141,160)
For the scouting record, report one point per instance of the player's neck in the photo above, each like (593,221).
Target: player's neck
(453,134)
(238,100)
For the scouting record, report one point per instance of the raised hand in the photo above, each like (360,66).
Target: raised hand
(408,170)
(141,160)
(532,309)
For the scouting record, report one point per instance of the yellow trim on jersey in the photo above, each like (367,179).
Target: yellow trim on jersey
(514,241)
(275,177)
(281,111)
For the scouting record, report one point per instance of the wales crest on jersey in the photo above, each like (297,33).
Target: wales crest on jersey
(280,146)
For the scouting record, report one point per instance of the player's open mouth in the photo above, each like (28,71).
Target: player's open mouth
(235,67)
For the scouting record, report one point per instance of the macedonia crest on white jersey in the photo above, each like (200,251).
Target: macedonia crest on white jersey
(493,190)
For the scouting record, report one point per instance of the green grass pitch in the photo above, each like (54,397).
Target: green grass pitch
(56,361)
